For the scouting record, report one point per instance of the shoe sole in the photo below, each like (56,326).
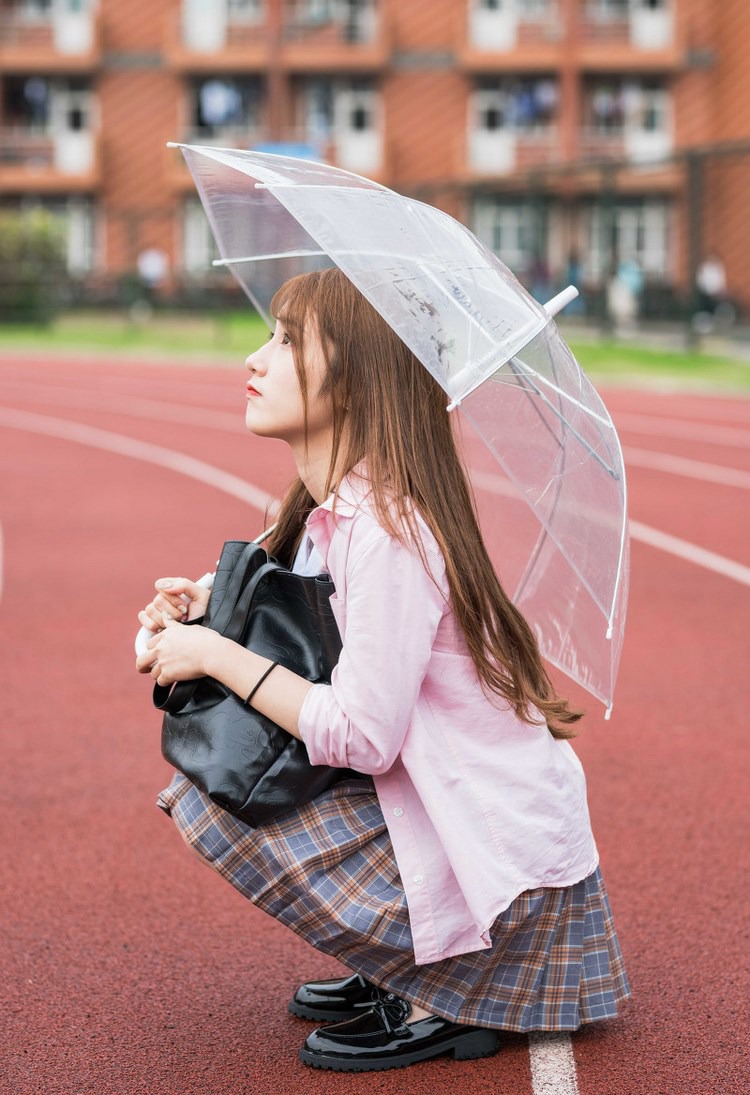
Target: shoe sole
(302,1011)
(467,1047)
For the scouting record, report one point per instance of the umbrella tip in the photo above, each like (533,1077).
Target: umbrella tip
(552,307)
(608,713)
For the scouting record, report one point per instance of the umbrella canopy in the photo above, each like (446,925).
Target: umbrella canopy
(548,440)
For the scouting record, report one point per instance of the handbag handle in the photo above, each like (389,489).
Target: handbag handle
(236,624)
(220,613)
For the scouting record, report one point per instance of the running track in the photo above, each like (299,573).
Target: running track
(127,967)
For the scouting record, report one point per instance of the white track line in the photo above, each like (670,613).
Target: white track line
(138,450)
(691,431)
(553,1066)
(734,409)
(683,549)
(259,499)
(140,407)
(682,465)
(232,422)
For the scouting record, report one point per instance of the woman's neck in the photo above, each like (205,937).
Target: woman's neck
(313,462)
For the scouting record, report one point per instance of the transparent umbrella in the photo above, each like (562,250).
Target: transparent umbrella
(543,454)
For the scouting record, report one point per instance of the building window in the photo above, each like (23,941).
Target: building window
(605,107)
(638,230)
(27,103)
(198,244)
(225,106)
(510,229)
(334,107)
(523,106)
(530,10)
(606,11)
(39,105)
(525,9)
(245,12)
(647,106)
(35,11)
(314,11)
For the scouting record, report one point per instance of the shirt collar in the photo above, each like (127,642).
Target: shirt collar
(341,504)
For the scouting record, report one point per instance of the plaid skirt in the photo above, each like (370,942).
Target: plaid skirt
(328,872)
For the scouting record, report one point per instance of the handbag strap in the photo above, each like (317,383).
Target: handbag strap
(236,625)
(223,606)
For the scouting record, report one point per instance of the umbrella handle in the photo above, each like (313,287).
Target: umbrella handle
(552,307)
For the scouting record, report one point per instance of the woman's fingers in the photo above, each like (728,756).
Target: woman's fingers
(145,663)
(176,599)
(146,621)
(158,608)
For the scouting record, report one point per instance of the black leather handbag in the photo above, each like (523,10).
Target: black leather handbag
(243,761)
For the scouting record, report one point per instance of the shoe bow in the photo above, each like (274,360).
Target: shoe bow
(391,1010)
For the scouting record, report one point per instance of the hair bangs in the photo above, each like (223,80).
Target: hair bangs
(293,303)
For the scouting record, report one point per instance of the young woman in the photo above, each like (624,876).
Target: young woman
(455,874)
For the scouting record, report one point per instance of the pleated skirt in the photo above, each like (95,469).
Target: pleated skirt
(328,872)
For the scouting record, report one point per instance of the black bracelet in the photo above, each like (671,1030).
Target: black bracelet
(260,682)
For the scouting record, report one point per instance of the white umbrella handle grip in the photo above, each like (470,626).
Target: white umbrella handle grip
(552,307)
(144,635)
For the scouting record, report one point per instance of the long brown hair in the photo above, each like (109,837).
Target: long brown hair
(396,421)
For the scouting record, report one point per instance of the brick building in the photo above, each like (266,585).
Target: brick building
(557,129)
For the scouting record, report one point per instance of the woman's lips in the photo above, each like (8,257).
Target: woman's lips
(251,391)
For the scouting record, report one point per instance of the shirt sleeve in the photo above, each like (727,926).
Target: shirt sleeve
(393,608)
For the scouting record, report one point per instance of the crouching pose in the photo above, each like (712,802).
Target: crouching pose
(453,871)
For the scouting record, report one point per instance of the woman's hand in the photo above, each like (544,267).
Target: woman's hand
(170,601)
(180,653)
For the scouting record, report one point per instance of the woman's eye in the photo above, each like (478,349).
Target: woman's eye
(285,339)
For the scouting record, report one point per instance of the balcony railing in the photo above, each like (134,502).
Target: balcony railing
(338,28)
(641,27)
(499,31)
(40,158)
(70,34)
(626,143)
(199,37)
(507,150)
(234,136)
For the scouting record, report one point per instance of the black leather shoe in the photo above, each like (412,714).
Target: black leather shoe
(331,1001)
(381,1038)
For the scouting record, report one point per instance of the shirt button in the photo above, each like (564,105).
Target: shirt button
(418,879)
(398,811)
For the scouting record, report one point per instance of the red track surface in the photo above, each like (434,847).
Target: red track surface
(129,969)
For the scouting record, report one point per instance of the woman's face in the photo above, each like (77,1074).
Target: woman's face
(275,407)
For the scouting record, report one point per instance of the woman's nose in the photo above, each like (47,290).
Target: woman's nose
(254,362)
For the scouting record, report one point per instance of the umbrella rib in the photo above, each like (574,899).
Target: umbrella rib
(548,403)
(264,258)
(618,478)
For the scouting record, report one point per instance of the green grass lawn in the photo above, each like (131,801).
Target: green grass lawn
(228,337)
(221,336)
(623,361)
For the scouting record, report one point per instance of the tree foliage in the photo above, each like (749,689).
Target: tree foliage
(34,280)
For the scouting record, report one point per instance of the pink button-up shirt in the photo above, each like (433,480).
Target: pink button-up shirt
(480,806)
